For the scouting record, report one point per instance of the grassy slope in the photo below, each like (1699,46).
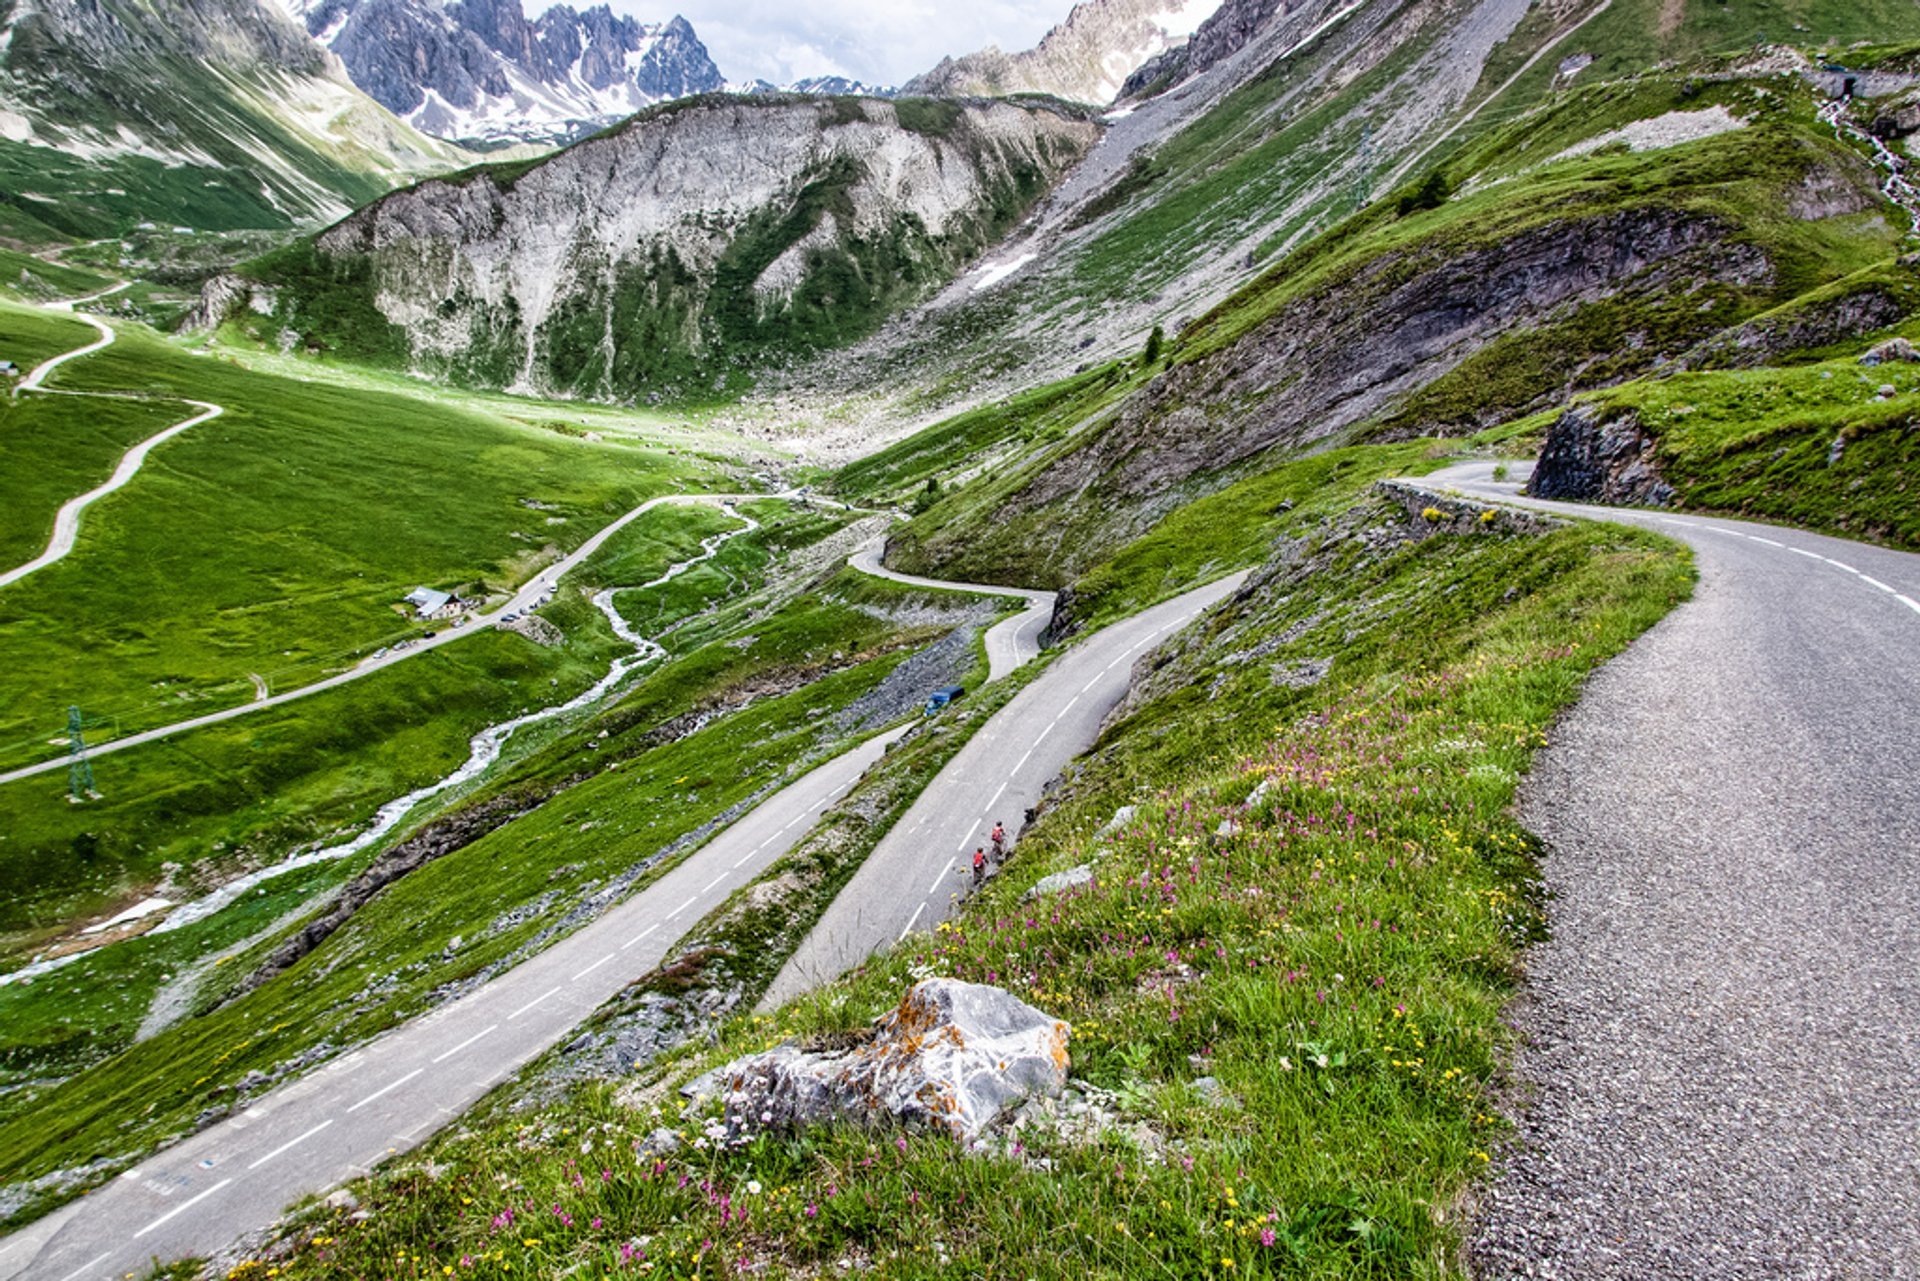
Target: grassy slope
(1338,966)
(834,643)
(252,790)
(1762,442)
(248,545)
(1744,181)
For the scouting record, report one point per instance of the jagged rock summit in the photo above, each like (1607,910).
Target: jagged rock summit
(215,114)
(482,71)
(951,1057)
(1086,59)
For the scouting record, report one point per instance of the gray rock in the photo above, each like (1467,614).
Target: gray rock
(952,1057)
(1890,351)
(1121,817)
(1072,877)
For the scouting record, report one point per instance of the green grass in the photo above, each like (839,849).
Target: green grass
(278,538)
(604,793)
(1760,443)
(1338,966)
(34,278)
(902,472)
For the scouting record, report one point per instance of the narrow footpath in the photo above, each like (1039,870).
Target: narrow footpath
(1721,1073)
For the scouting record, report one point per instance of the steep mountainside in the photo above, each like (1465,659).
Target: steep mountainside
(1304,112)
(217,114)
(1620,232)
(675,254)
(481,70)
(1087,58)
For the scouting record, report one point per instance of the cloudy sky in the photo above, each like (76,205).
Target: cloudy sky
(879,41)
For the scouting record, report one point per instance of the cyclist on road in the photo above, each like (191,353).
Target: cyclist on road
(999,842)
(979,865)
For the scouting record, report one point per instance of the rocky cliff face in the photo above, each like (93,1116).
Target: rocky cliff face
(481,70)
(682,251)
(1085,59)
(1230,28)
(214,113)
(1590,457)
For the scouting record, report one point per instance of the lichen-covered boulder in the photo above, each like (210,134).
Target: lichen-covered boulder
(952,1056)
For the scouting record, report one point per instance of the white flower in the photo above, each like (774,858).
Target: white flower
(753,1187)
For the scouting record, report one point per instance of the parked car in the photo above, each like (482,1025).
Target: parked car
(941,697)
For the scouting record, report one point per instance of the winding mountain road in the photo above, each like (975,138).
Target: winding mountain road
(914,876)
(305,1137)
(1721,1053)
(531,594)
(1011,643)
(66,522)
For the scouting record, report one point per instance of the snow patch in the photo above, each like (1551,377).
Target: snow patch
(145,907)
(988,277)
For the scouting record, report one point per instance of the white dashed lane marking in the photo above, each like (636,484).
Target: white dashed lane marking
(464,1044)
(530,1004)
(386,1089)
(88,1266)
(636,938)
(911,920)
(683,907)
(291,1143)
(941,876)
(182,1208)
(591,968)
(714,883)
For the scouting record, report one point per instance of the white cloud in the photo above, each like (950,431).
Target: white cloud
(879,41)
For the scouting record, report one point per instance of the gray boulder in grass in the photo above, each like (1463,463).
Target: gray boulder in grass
(952,1056)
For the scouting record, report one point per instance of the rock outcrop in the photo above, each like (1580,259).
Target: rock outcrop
(951,1058)
(1087,58)
(481,70)
(1229,29)
(1591,457)
(250,122)
(684,248)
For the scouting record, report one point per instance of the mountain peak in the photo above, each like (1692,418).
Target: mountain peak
(480,70)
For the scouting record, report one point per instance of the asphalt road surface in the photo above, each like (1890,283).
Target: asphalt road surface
(1723,1031)
(913,877)
(1012,643)
(330,1126)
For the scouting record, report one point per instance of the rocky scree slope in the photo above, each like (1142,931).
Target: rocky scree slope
(671,256)
(1084,59)
(1442,321)
(217,114)
(482,71)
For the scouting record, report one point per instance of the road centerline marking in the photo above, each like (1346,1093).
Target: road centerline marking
(910,921)
(636,938)
(591,968)
(90,1263)
(290,1143)
(182,1208)
(711,885)
(552,991)
(945,868)
(386,1089)
(683,907)
(464,1044)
